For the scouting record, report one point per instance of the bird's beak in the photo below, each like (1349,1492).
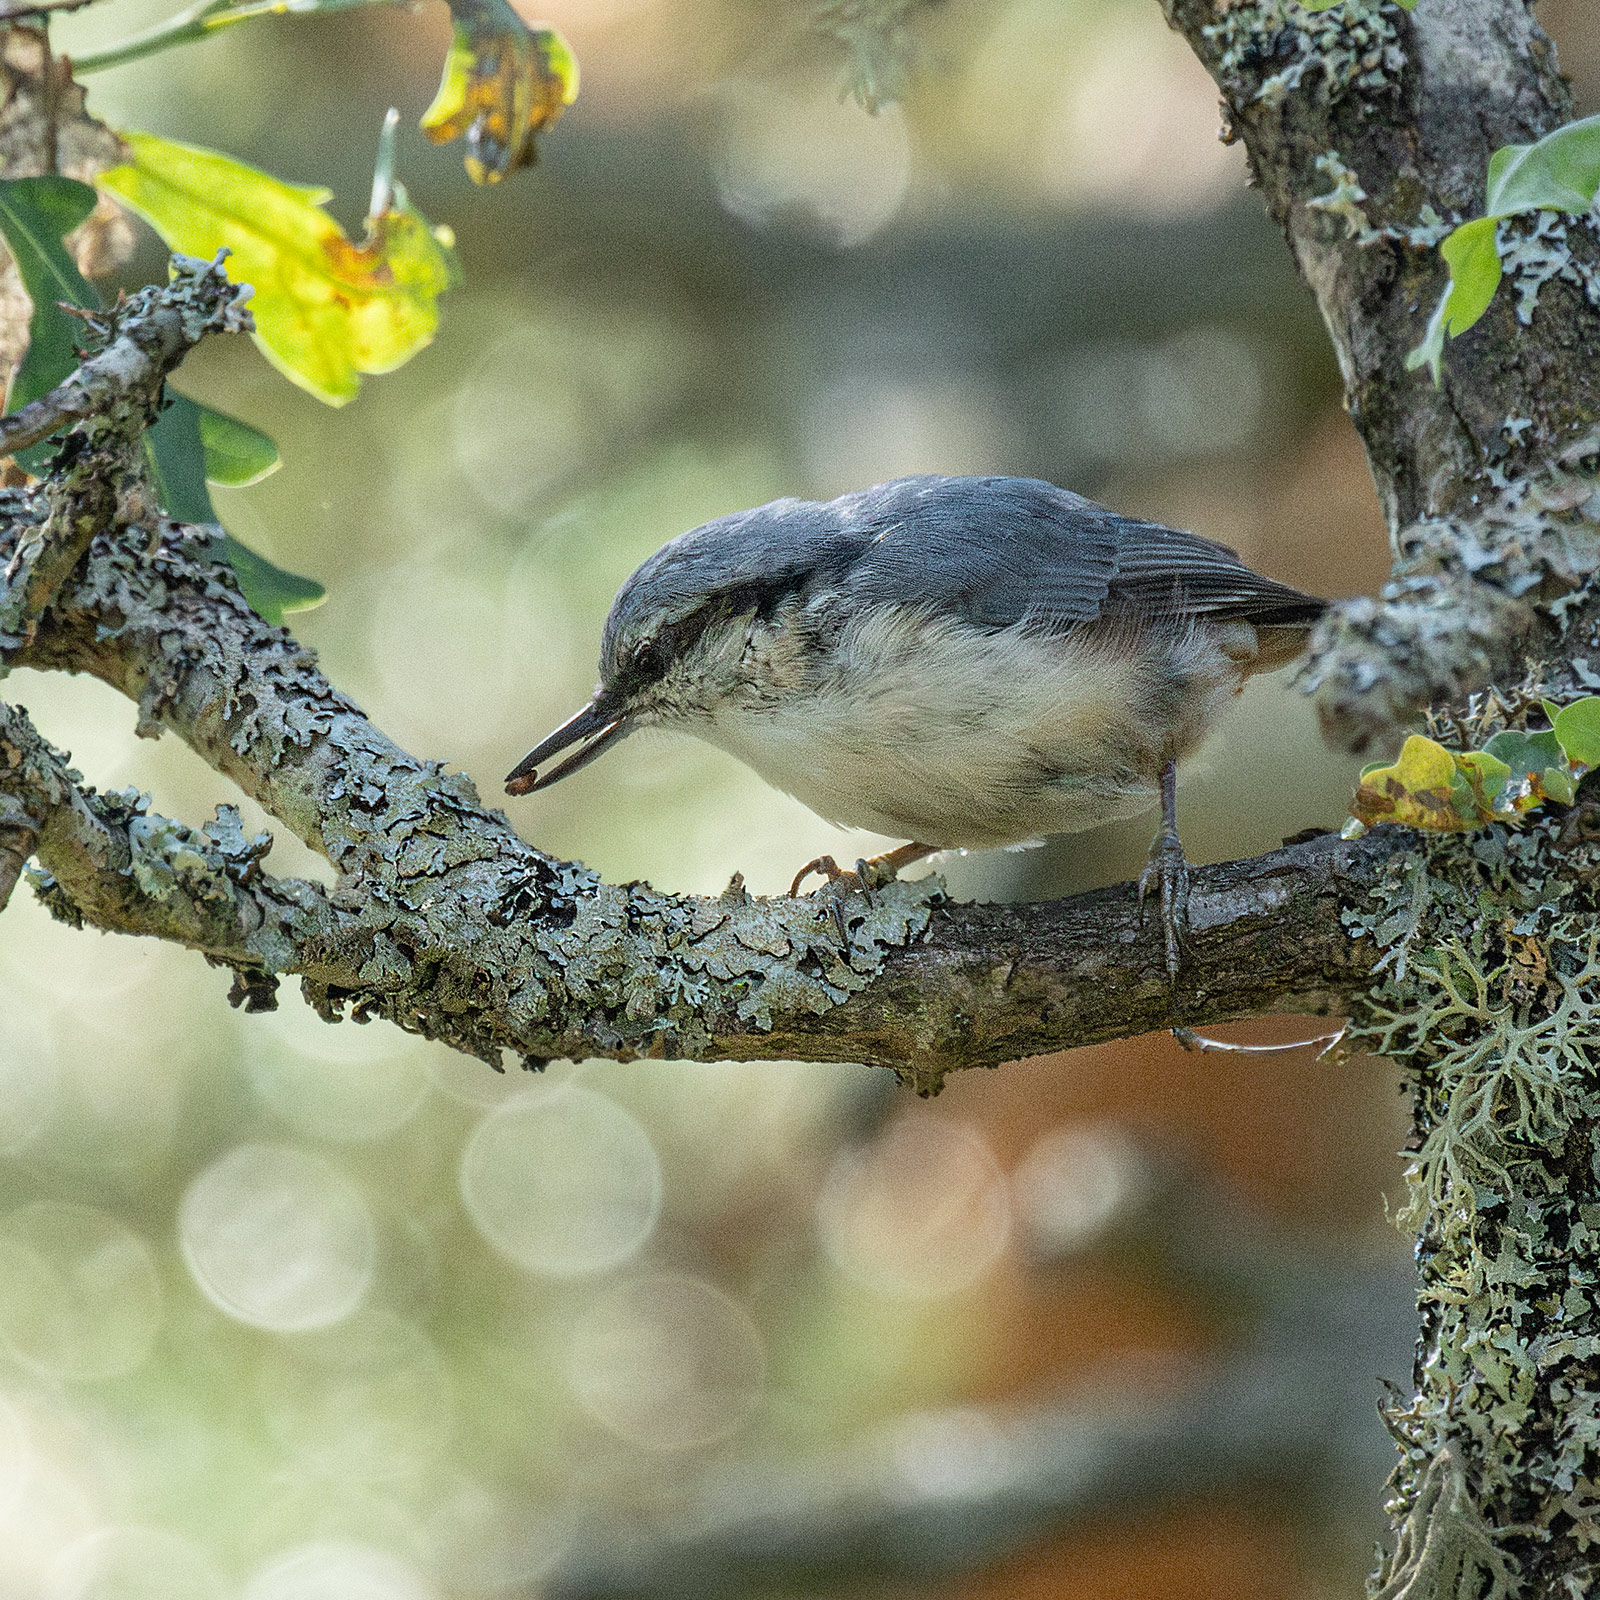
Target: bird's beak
(597,723)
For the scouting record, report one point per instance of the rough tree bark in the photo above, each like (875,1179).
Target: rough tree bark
(1472,962)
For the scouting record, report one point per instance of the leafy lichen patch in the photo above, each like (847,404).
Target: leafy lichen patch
(1490,1001)
(1467,590)
(1268,50)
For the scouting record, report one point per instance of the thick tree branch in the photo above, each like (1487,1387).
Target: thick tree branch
(112,398)
(1356,119)
(448,923)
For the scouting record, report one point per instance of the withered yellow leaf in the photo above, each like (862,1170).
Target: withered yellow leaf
(504,83)
(326,308)
(1424,788)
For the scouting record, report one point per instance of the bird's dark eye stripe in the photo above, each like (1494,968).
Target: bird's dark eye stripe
(648,661)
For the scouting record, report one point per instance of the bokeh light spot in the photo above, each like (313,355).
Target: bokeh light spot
(278,1237)
(1074,1183)
(338,1570)
(345,1082)
(135,1563)
(785,155)
(922,1212)
(562,1180)
(667,1362)
(79,1294)
(366,1401)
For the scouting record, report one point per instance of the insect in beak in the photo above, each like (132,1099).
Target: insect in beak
(597,723)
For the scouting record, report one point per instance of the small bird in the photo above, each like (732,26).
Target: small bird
(958,662)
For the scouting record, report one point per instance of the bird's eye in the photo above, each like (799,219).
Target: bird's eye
(647,658)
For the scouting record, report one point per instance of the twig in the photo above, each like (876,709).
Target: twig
(153,331)
(1190,1040)
(108,861)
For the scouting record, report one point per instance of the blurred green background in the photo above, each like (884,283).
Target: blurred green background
(295,1312)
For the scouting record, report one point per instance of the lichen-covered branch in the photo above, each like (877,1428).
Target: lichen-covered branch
(112,398)
(106,860)
(1364,125)
(1489,1000)
(1356,120)
(449,924)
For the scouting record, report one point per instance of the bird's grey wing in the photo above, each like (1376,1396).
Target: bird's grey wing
(990,551)
(1163,571)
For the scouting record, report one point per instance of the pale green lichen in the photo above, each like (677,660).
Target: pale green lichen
(1344,199)
(1269,50)
(1490,1001)
(1534,249)
(880,43)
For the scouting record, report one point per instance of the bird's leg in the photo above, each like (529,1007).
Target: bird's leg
(1167,872)
(870,874)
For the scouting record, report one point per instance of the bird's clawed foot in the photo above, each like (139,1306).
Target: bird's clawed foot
(869,876)
(840,886)
(1167,875)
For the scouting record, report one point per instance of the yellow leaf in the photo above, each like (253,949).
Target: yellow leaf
(1423,789)
(326,309)
(504,83)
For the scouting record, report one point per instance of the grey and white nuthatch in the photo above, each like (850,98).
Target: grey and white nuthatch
(960,662)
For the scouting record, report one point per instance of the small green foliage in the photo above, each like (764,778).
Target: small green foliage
(35,215)
(237,455)
(1454,791)
(504,83)
(1560,172)
(182,460)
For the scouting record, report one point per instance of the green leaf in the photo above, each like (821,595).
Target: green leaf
(35,215)
(271,591)
(1475,273)
(1557,783)
(1577,731)
(504,83)
(177,460)
(1559,172)
(1487,774)
(1526,753)
(180,462)
(326,309)
(237,455)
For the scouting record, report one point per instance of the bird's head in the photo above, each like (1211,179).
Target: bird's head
(694,632)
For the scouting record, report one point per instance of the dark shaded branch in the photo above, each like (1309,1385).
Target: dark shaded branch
(1282,1411)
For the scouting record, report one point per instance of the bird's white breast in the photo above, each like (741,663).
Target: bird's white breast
(923,729)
